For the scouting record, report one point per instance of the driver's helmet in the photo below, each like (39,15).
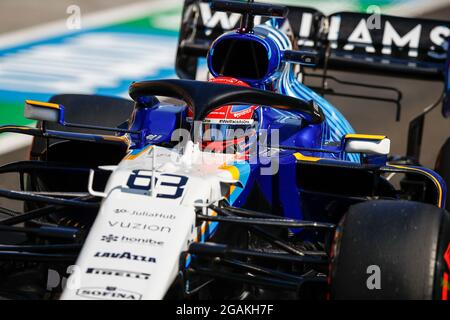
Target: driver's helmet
(230,129)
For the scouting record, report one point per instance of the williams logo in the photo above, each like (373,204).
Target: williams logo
(124,256)
(131,240)
(118,273)
(108,293)
(139,226)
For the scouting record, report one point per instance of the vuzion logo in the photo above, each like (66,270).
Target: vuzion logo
(108,293)
(139,226)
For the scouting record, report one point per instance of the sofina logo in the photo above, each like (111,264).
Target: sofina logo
(108,293)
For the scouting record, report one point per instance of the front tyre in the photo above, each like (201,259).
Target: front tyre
(391,250)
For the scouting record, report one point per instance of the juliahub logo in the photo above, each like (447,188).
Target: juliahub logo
(147,214)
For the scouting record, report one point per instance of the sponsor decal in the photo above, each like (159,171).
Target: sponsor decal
(139,226)
(445,286)
(445,277)
(153,137)
(131,240)
(246,113)
(447,256)
(118,273)
(234,115)
(352,32)
(147,214)
(228,121)
(232,112)
(124,256)
(110,238)
(108,293)
(316,108)
(349,32)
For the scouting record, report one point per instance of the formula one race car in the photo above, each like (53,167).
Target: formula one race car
(247,186)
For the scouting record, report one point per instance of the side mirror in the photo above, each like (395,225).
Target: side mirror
(52,112)
(44,111)
(368,144)
(305,58)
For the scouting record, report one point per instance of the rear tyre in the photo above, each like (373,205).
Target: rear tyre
(391,250)
(443,167)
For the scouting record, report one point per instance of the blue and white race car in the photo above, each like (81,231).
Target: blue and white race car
(250,185)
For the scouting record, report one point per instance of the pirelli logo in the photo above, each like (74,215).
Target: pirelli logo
(118,273)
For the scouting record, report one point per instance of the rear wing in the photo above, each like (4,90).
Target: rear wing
(388,45)
(201,25)
(354,42)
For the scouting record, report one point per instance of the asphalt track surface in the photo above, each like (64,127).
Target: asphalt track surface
(366,117)
(19,14)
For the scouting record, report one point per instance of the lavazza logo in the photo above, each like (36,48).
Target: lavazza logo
(108,293)
(124,256)
(118,273)
(139,226)
(131,240)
